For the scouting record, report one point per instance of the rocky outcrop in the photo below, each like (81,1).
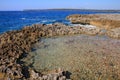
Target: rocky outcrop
(57,75)
(114,33)
(14,44)
(106,21)
(80,19)
(106,24)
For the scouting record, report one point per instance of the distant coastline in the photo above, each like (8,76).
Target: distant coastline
(62,9)
(96,10)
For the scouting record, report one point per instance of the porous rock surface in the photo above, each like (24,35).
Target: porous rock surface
(114,33)
(14,44)
(106,21)
(110,23)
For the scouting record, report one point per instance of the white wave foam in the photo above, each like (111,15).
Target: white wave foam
(23,18)
(44,21)
(30,18)
(48,21)
(86,26)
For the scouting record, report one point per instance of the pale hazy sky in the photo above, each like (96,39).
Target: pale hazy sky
(47,4)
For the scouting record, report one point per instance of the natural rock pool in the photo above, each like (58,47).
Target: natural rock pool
(85,57)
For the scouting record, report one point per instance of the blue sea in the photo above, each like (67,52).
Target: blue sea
(15,20)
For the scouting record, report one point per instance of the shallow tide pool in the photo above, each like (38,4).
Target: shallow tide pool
(81,55)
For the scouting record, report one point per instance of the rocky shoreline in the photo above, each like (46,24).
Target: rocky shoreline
(109,22)
(15,44)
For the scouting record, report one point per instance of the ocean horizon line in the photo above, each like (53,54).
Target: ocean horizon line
(109,10)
